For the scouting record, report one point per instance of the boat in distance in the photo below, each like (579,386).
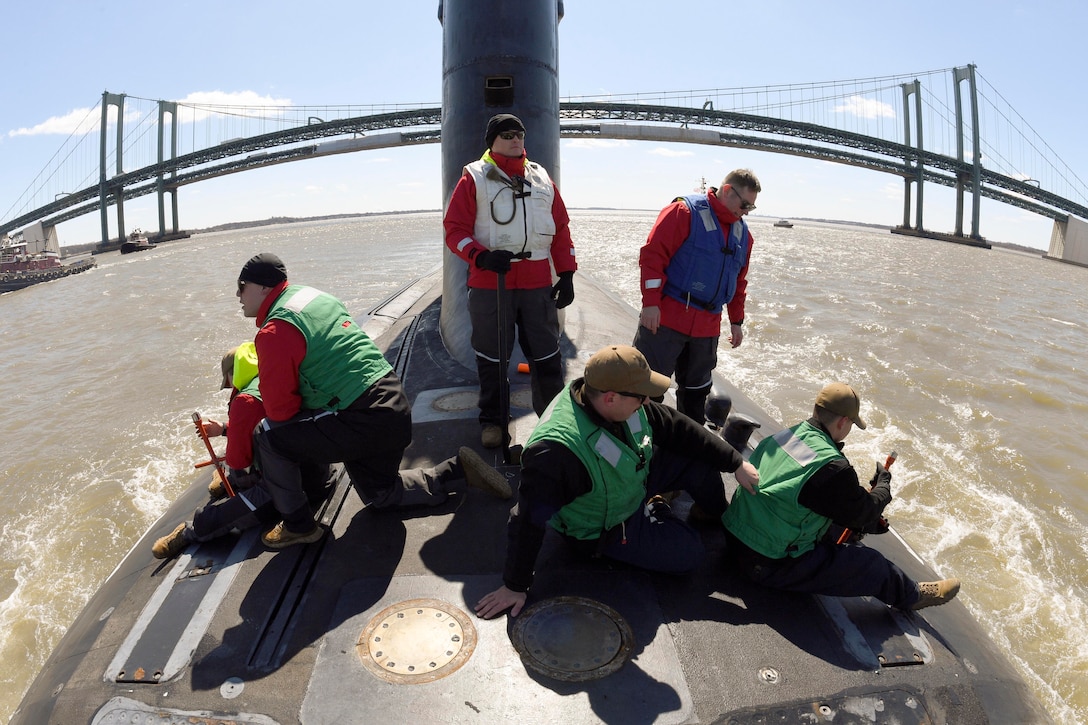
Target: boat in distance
(784,223)
(374,622)
(137,241)
(22,266)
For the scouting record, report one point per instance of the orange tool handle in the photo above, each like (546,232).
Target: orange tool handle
(215,460)
(887,465)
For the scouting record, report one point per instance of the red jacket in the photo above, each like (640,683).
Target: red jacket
(243,415)
(460,221)
(281,348)
(671,229)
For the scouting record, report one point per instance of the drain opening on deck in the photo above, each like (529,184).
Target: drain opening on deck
(572,639)
(416,641)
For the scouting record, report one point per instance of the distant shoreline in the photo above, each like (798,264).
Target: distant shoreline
(231,226)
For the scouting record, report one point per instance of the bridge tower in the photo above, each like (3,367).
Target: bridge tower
(959,75)
(497,57)
(164,185)
(105,189)
(912,160)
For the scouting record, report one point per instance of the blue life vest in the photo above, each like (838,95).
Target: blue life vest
(704,270)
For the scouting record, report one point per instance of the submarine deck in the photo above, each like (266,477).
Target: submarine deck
(230,631)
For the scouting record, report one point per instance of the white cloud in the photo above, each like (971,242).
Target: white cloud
(78,119)
(865,108)
(243,103)
(86,120)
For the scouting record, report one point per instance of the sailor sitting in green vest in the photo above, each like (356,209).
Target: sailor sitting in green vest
(777,538)
(593,470)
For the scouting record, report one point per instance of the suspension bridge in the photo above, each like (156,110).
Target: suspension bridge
(948,127)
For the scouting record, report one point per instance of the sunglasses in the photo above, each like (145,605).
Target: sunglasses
(241,286)
(511,135)
(744,205)
(640,398)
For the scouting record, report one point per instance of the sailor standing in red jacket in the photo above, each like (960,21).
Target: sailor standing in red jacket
(506,216)
(695,264)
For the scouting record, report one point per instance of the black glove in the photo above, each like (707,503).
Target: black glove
(241,479)
(882,477)
(880,526)
(563,291)
(495,260)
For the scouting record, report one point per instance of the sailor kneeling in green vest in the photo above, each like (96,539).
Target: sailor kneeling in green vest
(593,466)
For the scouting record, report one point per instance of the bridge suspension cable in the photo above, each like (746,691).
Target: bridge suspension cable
(215,126)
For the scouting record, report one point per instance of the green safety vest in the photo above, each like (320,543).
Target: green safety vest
(772,522)
(341,360)
(617,468)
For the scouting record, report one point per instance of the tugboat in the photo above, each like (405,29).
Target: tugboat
(33,257)
(136,242)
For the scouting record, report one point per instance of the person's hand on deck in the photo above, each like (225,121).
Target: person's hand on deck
(499,601)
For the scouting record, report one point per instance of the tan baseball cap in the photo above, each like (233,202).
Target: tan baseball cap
(623,369)
(840,399)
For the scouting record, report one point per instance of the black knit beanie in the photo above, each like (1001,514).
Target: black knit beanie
(498,124)
(265,269)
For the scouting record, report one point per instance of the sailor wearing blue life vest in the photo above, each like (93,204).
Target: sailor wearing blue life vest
(693,266)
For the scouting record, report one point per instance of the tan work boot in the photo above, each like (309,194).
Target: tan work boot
(482,476)
(932,594)
(216,489)
(172,544)
(491,436)
(280,537)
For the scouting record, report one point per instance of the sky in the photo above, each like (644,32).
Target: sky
(61,55)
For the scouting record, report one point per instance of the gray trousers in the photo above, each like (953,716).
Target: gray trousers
(691,359)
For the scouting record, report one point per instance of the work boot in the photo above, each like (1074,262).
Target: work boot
(172,544)
(932,594)
(491,436)
(482,476)
(657,509)
(280,537)
(216,489)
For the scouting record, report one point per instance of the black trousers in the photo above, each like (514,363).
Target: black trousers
(663,542)
(369,438)
(532,312)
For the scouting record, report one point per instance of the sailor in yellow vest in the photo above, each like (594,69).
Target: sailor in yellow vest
(593,470)
(252,506)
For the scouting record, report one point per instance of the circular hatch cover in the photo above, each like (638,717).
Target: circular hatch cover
(416,641)
(572,639)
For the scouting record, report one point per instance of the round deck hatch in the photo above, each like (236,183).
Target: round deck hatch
(416,641)
(456,402)
(572,639)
